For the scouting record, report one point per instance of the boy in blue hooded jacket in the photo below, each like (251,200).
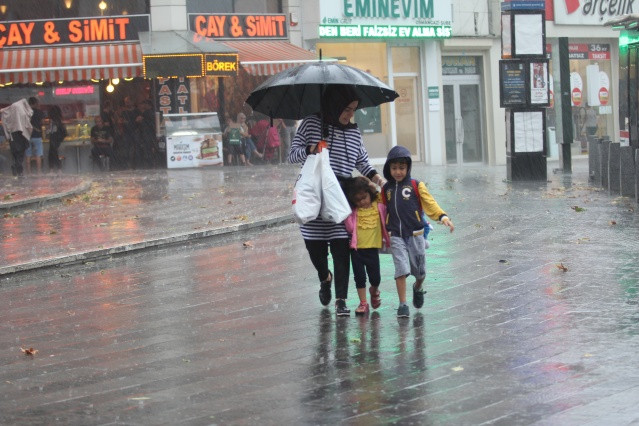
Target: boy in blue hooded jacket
(405,226)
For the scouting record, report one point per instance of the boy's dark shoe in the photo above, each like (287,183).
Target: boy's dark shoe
(418,297)
(403,311)
(325,290)
(340,308)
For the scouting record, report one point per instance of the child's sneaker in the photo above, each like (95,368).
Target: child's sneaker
(340,308)
(403,311)
(325,290)
(418,297)
(376,300)
(362,309)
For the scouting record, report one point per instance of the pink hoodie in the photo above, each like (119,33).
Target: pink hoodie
(351,226)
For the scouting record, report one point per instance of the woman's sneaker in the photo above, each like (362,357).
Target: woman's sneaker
(340,308)
(376,300)
(418,297)
(362,309)
(403,311)
(325,290)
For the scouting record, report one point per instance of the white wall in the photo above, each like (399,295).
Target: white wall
(168,15)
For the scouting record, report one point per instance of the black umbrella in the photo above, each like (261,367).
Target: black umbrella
(297,92)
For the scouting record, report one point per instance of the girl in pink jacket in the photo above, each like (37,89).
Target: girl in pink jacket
(367,229)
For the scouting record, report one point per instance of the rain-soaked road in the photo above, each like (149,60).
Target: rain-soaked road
(531,317)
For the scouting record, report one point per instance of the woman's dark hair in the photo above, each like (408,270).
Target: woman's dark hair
(335,99)
(55,113)
(358,185)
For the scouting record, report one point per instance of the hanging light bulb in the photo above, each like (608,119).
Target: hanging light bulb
(68,3)
(110,88)
(115,81)
(102,5)
(3,8)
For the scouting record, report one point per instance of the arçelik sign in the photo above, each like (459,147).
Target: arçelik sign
(590,12)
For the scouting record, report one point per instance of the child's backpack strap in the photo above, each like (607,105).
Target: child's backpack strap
(384,200)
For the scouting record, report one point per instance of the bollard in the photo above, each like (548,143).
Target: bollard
(594,161)
(613,167)
(604,151)
(626,171)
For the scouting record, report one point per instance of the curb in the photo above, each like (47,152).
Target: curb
(143,245)
(45,199)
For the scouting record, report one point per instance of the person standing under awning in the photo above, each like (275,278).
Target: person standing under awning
(16,121)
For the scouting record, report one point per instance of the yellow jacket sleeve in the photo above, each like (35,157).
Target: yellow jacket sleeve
(429,205)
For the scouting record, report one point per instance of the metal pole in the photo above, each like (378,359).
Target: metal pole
(566,109)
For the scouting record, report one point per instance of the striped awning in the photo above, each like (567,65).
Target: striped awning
(72,63)
(268,57)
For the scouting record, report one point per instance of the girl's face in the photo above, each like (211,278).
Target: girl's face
(347,114)
(362,200)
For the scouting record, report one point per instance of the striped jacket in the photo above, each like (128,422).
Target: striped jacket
(346,151)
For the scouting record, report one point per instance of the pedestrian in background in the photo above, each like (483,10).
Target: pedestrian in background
(34,150)
(57,133)
(405,225)
(347,152)
(367,228)
(16,122)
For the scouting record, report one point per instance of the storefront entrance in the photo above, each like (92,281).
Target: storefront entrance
(463,112)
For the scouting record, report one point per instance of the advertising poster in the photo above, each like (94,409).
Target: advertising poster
(539,83)
(529,131)
(513,84)
(193,151)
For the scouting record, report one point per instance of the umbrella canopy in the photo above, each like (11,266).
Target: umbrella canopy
(297,92)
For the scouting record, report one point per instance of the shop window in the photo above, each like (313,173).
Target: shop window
(373,122)
(233,6)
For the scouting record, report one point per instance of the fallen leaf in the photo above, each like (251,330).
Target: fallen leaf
(139,398)
(248,244)
(588,355)
(29,351)
(458,368)
(612,222)
(241,217)
(503,261)
(356,340)
(562,268)
(578,209)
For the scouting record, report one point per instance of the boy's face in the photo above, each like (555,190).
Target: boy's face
(398,171)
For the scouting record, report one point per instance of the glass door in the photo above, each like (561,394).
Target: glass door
(463,120)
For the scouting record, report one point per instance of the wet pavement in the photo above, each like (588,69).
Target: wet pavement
(531,315)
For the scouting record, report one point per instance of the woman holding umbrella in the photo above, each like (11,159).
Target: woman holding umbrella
(347,153)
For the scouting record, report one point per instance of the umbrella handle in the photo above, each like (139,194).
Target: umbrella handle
(320,146)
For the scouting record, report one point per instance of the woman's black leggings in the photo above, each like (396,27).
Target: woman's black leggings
(318,252)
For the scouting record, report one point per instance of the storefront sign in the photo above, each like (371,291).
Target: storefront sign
(385,19)
(167,66)
(76,31)
(239,26)
(594,51)
(221,65)
(460,65)
(173,96)
(591,12)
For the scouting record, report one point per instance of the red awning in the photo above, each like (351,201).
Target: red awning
(268,57)
(73,63)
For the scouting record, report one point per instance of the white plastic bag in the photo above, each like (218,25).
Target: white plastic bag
(335,207)
(307,194)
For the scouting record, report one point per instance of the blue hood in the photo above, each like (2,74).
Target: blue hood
(397,152)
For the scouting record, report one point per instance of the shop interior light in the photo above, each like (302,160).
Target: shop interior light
(110,88)
(39,83)
(3,8)
(68,3)
(128,78)
(115,81)
(8,83)
(95,80)
(60,82)
(102,5)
